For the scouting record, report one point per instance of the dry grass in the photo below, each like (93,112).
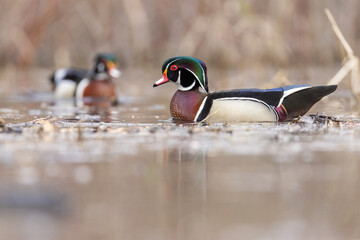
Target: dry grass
(251,38)
(53,32)
(351,62)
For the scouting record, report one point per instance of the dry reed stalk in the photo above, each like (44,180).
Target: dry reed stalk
(28,38)
(139,25)
(90,19)
(351,64)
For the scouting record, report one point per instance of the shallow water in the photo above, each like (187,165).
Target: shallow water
(131,173)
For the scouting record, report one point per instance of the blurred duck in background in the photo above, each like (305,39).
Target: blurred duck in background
(90,87)
(193,101)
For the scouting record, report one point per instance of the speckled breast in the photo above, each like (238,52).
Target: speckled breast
(185,104)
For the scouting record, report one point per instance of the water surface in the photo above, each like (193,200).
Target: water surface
(131,173)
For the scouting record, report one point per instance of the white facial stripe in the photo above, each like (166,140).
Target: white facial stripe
(178,79)
(200,109)
(181,88)
(171,63)
(186,88)
(203,87)
(202,69)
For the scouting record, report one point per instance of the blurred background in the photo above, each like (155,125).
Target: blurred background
(226,34)
(133,174)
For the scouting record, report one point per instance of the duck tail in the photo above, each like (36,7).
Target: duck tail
(299,102)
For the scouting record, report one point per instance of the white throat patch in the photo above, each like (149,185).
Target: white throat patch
(181,88)
(101,76)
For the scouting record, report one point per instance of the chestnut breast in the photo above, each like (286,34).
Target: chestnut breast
(100,93)
(104,89)
(185,104)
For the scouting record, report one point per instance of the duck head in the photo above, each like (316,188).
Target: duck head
(105,67)
(187,72)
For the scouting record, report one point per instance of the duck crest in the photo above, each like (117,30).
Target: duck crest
(184,105)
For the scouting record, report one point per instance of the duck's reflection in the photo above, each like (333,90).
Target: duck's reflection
(185,182)
(98,110)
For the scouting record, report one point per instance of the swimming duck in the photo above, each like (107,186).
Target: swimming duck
(88,86)
(193,101)
(65,80)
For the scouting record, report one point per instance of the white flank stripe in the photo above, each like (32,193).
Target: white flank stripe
(244,98)
(59,75)
(290,91)
(200,109)
(81,87)
(233,109)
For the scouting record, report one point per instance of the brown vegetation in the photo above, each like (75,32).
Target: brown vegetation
(52,32)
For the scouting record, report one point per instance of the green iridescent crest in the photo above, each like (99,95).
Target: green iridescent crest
(105,56)
(194,65)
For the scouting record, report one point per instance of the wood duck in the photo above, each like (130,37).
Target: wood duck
(65,80)
(193,101)
(90,87)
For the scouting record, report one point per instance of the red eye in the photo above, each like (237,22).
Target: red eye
(173,68)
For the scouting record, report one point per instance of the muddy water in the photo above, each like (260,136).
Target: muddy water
(130,173)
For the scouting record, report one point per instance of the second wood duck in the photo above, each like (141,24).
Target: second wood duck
(65,80)
(88,86)
(193,101)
